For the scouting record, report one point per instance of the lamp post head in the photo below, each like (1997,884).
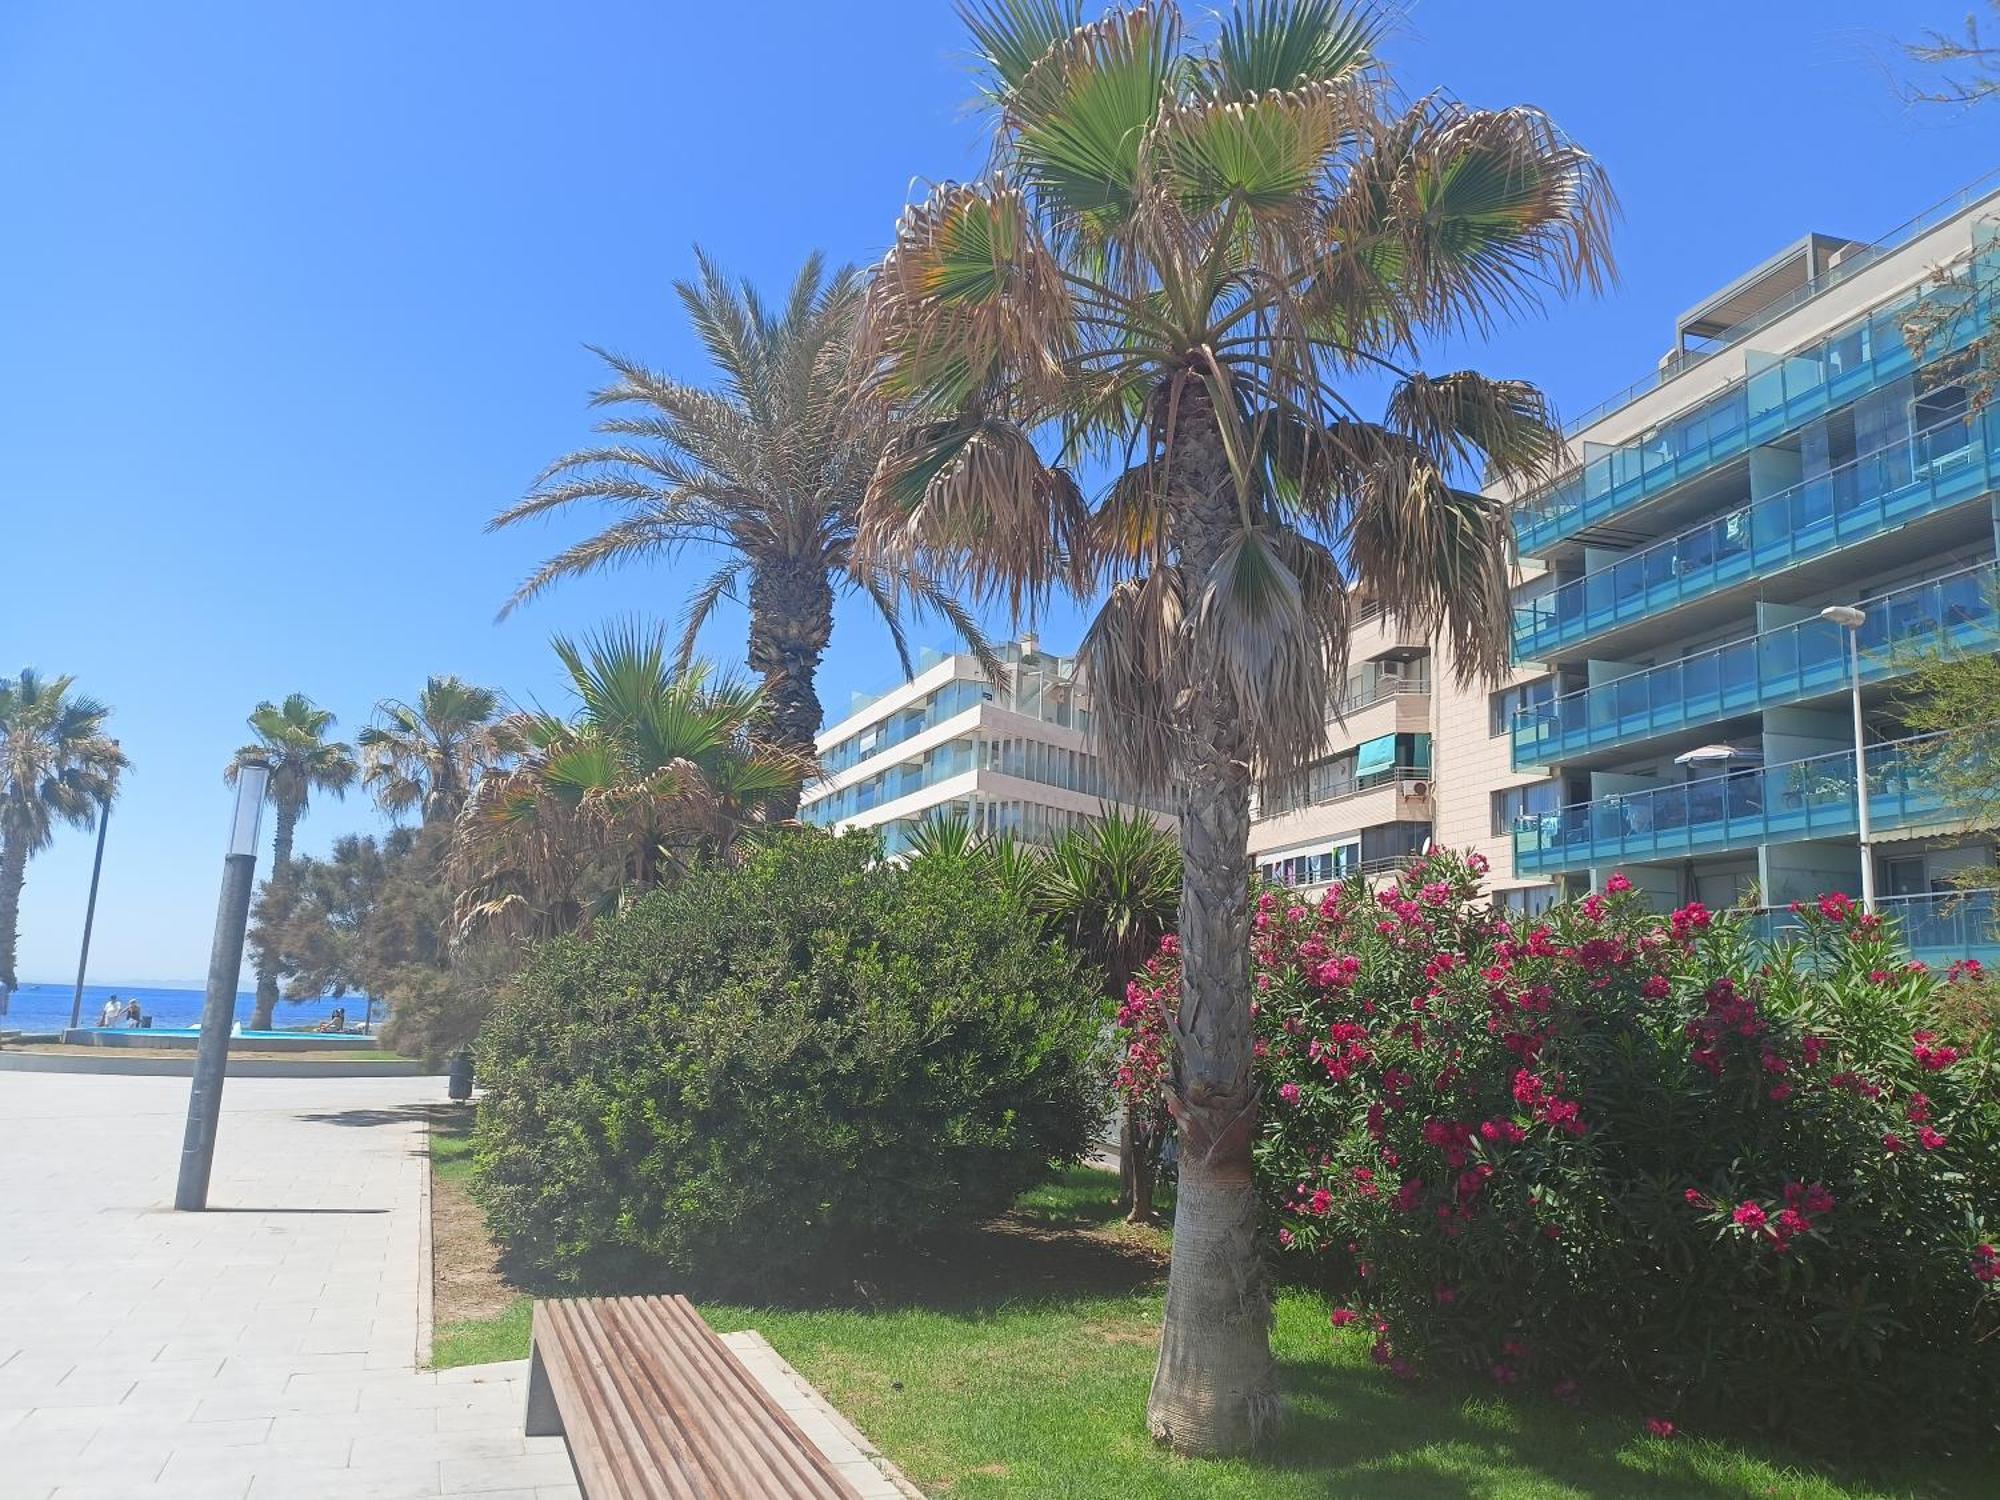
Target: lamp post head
(253,778)
(1845,615)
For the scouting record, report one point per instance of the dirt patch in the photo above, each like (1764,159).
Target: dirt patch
(465,1277)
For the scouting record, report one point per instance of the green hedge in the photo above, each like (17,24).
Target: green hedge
(772,1068)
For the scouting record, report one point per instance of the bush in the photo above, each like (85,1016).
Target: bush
(1607,1150)
(768,1069)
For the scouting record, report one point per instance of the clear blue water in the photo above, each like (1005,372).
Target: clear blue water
(45,1007)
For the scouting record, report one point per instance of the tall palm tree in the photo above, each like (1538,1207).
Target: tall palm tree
(57,766)
(767,472)
(1196,257)
(427,755)
(292,740)
(657,770)
(1112,886)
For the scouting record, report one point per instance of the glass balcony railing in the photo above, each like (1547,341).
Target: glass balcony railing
(1787,665)
(1985,186)
(946,761)
(1801,799)
(1777,393)
(1939,927)
(1936,469)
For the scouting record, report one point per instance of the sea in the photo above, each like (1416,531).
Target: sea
(45,1007)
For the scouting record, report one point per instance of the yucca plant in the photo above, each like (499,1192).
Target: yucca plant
(1195,256)
(1112,887)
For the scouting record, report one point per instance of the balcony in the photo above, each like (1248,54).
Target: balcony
(1792,664)
(1801,799)
(1939,927)
(1777,393)
(1935,470)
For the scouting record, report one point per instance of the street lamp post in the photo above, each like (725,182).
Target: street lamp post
(1851,620)
(218,1007)
(90,909)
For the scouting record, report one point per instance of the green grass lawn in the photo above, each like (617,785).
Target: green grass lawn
(1026,1375)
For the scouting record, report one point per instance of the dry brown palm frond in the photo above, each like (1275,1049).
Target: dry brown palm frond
(1500,429)
(977,491)
(1484,212)
(968,289)
(1135,657)
(1437,557)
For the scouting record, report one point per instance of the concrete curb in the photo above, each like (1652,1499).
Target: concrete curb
(108,1061)
(865,1466)
(426,1289)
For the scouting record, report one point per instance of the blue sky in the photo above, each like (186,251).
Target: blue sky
(294,297)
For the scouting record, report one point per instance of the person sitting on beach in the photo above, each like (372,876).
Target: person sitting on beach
(109,1015)
(132,1014)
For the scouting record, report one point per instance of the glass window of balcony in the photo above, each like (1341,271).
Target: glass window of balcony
(1779,392)
(1938,467)
(1786,665)
(1530,698)
(1518,802)
(1805,799)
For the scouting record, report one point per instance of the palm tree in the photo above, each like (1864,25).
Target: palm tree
(1193,257)
(292,740)
(56,766)
(427,755)
(768,472)
(658,770)
(1112,886)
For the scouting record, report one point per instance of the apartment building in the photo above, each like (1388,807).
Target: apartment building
(1414,757)
(1681,701)
(1014,758)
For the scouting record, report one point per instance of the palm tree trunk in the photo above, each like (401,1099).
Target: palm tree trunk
(1215,1389)
(13,875)
(266,1008)
(791,620)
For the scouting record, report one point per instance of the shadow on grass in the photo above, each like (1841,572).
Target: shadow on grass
(1355,1433)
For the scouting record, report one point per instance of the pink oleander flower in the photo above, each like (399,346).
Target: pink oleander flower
(1892,1143)
(1659,1427)
(1750,1216)
(1617,885)
(1929,1139)
(1342,1316)
(1289,1092)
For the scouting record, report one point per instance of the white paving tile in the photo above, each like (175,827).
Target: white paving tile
(259,1351)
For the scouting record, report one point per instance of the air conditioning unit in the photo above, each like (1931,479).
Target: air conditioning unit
(1415,788)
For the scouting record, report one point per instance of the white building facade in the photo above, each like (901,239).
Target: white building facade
(1014,758)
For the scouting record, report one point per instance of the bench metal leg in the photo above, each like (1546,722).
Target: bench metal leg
(543,1418)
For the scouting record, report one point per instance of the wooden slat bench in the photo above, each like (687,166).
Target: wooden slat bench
(655,1407)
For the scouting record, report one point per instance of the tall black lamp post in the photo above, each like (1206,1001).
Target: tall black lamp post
(90,909)
(225,968)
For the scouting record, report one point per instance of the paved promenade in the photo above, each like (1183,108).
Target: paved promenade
(266,1348)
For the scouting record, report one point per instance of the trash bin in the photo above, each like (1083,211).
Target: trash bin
(461,1074)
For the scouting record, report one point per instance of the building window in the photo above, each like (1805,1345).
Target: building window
(1525,901)
(1518,802)
(1503,705)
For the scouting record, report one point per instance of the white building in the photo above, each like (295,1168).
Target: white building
(1013,759)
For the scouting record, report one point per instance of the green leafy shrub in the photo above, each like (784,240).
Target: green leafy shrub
(1609,1151)
(767,1069)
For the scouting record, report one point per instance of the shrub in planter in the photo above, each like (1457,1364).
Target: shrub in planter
(1608,1150)
(769,1068)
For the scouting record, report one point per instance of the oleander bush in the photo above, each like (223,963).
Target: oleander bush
(770,1069)
(1613,1154)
